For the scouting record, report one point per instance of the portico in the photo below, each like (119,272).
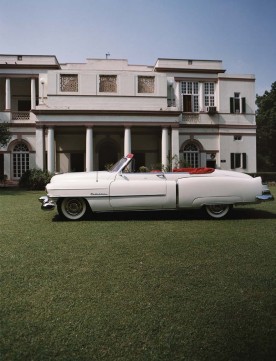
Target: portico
(153,145)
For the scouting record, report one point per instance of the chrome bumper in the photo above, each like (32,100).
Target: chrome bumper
(266,196)
(46,203)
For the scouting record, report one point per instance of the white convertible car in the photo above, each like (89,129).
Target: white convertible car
(121,190)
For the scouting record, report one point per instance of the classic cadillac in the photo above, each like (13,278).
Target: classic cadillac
(118,189)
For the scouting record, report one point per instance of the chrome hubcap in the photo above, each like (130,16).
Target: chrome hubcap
(74,207)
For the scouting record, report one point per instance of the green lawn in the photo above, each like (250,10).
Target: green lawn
(144,286)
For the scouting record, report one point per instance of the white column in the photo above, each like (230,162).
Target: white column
(127,141)
(165,147)
(8,94)
(89,149)
(40,148)
(51,150)
(175,145)
(201,97)
(33,94)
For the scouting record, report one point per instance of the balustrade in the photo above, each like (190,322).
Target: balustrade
(20,115)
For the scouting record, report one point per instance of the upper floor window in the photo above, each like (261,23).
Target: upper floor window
(209,94)
(189,91)
(145,84)
(237,104)
(69,82)
(108,83)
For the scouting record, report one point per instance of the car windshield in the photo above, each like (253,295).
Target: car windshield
(118,166)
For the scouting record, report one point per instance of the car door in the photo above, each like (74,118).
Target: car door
(137,191)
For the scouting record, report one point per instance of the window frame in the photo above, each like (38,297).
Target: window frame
(237,104)
(238,160)
(20,160)
(209,94)
(190,96)
(140,77)
(191,156)
(114,76)
(64,90)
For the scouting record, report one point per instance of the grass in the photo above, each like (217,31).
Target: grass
(145,286)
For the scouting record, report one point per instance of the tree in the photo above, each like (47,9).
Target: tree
(5,134)
(266,130)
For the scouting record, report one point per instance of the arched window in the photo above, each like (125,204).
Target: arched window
(191,155)
(21,159)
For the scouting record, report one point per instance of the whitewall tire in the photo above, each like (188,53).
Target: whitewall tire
(72,208)
(218,211)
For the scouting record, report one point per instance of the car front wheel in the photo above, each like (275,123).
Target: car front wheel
(218,210)
(72,208)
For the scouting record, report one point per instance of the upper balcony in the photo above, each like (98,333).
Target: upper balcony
(17,98)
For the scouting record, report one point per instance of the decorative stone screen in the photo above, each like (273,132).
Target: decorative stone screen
(68,82)
(108,83)
(145,84)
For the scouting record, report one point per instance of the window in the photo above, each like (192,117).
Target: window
(191,155)
(68,82)
(238,160)
(237,137)
(189,91)
(209,97)
(20,160)
(145,84)
(108,83)
(237,104)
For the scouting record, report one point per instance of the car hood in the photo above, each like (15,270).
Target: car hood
(79,180)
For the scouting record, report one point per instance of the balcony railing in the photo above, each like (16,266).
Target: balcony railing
(190,118)
(20,115)
(171,103)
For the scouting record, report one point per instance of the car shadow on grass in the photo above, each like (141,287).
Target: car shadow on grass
(185,215)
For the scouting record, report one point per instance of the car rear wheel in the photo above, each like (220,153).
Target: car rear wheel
(72,208)
(218,210)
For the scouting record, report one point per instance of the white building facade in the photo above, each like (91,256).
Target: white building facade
(83,117)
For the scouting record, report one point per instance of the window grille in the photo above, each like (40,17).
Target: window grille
(108,83)
(145,84)
(68,82)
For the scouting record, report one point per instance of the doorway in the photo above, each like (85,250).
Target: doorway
(77,162)
(108,155)
(211,163)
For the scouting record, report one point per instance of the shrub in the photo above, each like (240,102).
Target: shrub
(35,179)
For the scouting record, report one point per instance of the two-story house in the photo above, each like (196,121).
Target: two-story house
(82,117)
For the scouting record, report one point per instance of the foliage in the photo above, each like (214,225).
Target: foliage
(35,179)
(5,134)
(108,166)
(174,162)
(142,286)
(143,169)
(266,130)
(3,178)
